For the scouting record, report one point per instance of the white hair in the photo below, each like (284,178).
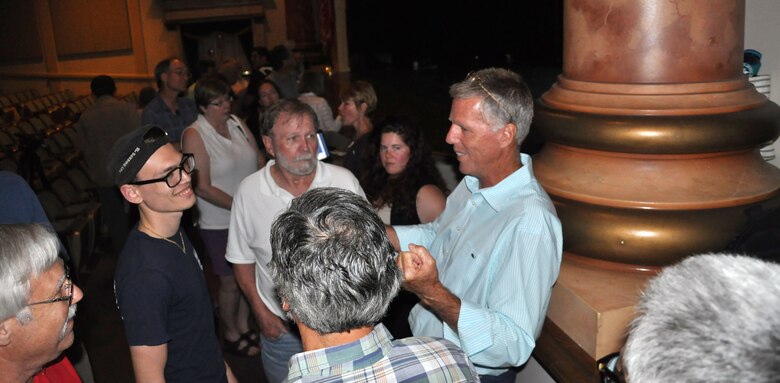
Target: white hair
(26,251)
(710,318)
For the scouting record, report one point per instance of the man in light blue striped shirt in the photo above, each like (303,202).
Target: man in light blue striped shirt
(335,273)
(484,269)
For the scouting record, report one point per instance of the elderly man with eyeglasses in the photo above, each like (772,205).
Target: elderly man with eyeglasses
(484,269)
(37,306)
(159,283)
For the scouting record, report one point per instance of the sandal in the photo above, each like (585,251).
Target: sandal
(241,346)
(252,336)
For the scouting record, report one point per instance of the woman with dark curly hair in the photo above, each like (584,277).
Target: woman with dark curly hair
(405,188)
(403,185)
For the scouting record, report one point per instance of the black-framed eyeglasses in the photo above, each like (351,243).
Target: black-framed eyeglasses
(66,286)
(472,76)
(173,177)
(611,369)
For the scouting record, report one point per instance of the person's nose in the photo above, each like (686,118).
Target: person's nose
(185,177)
(306,146)
(452,135)
(77,294)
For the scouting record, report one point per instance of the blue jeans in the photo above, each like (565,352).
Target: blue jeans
(277,353)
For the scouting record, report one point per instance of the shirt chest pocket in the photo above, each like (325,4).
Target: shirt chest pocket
(464,268)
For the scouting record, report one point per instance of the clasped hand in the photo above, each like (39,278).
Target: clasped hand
(419,268)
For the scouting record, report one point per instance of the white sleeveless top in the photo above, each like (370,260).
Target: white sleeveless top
(231,160)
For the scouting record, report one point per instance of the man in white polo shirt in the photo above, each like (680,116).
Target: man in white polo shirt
(289,131)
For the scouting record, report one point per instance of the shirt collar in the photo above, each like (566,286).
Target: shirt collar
(342,359)
(321,176)
(500,195)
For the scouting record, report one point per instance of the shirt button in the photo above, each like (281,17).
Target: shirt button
(458,228)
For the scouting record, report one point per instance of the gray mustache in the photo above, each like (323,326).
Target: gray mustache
(71,311)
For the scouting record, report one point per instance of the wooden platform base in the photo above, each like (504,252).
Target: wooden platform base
(594,305)
(589,313)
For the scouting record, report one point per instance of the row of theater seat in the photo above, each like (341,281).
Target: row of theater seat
(38,141)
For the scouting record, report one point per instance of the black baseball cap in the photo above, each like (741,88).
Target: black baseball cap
(131,151)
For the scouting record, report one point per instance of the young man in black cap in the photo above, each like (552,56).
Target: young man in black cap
(159,284)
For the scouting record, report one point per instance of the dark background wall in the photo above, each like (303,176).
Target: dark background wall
(447,40)
(455,33)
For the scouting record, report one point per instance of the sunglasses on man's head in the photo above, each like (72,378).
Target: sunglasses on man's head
(473,77)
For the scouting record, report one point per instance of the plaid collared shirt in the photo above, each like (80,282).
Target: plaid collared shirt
(376,357)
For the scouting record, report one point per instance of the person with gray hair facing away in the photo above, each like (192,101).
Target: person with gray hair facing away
(709,318)
(495,250)
(335,272)
(37,306)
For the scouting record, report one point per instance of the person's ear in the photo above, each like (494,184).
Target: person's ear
(5,332)
(269,147)
(131,194)
(285,305)
(507,135)
(363,107)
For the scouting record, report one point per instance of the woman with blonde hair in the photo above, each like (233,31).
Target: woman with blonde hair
(358,102)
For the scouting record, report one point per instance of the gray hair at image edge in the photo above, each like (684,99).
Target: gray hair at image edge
(333,262)
(26,251)
(509,89)
(709,318)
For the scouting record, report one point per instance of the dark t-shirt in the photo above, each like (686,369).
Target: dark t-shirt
(162,296)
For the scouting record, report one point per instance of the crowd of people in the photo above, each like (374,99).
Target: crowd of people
(359,268)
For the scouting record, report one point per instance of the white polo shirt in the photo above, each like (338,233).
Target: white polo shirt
(258,201)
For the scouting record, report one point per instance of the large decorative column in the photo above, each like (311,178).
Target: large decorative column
(653,135)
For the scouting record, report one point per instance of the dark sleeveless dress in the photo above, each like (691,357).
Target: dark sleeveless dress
(397,317)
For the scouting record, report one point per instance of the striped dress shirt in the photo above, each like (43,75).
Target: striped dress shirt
(499,250)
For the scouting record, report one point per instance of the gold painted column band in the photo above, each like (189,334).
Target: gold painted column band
(658,182)
(653,99)
(660,134)
(637,238)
